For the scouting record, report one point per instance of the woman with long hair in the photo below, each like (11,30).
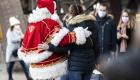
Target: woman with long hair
(14,36)
(124,31)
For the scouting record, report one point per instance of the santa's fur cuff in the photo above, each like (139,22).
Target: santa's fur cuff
(59,36)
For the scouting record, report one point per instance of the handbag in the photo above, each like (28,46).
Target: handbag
(14,52)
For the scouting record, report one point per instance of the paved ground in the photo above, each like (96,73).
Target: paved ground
(3,73)
(16,75)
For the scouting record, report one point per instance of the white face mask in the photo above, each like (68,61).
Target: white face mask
(125,19)
(101,14)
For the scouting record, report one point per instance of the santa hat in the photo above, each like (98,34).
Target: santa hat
(13,21)
(49,4)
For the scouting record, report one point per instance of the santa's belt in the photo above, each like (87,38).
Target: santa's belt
(49,63)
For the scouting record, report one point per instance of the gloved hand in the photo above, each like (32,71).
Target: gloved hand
(87,32)
(80,35)
(43,46)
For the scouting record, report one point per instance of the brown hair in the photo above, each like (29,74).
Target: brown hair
(105,4)
(11,28)
(130,23)
(75,9)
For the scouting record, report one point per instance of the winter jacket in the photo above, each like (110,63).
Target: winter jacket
(107,34)
(129,32)
(82,57)
(13,42)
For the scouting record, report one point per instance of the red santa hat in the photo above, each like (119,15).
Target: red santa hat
(49,4)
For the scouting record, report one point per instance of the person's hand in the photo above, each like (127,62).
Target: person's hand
(125,36)
(43,46)
(22,36)
(87,32)
(119,36)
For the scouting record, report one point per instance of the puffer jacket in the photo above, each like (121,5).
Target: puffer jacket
(82,57)
(107,30)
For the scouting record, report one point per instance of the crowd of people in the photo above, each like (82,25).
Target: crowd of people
(76,48)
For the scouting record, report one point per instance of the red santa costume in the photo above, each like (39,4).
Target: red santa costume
(42,29)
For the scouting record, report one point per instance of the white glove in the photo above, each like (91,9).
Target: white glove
(87,32)
(80,35)
(43,46)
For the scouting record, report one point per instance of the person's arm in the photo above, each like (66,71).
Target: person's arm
(113,36)
(64,37)
(57,49)
(77,36)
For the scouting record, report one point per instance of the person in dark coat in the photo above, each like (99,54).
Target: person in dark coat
(107,35)
(124,31)
(107,31)
(82,58)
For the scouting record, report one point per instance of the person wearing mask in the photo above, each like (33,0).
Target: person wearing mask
(14,36)
(82,58)
(107,31)
(124,31)
(107,36)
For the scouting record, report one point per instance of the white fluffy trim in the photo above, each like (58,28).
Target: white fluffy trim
(57,19)
(34,57)
(80,35)
(59,36)
(49,72)
(38,15)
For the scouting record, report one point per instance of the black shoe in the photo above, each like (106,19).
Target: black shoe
(10,79)
(29,78)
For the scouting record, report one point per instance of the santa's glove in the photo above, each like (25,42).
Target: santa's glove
(43,46)
(87,32)
(80,35)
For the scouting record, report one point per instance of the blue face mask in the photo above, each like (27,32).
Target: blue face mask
(101,14)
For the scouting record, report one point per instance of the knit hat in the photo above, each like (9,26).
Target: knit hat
(13,21)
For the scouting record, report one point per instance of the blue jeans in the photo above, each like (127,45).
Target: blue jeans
(79,75)
(10,69)
(64,77)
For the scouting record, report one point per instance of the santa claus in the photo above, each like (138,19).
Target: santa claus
(43,29)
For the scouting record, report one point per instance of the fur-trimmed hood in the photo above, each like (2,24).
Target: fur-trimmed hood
(81,18)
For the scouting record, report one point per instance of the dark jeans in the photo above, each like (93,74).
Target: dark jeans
(96,77)
(79,75)
(10,69)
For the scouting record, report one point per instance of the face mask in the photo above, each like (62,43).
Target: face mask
(101,14)
(125,19)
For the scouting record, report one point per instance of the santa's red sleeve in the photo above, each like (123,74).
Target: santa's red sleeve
(77,36)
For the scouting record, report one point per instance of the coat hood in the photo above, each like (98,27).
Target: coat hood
(81,18)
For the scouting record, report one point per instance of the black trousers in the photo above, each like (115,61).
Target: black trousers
(10,66)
